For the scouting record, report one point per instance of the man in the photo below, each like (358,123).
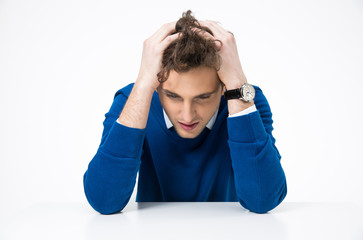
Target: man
(191,125)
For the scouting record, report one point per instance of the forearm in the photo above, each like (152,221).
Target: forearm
(111,174)
(260,180)
(136,109)
(259,177)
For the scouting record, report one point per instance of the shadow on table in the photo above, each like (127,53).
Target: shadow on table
(176,220)
(145,205)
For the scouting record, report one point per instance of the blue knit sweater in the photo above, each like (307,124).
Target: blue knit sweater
(236,160)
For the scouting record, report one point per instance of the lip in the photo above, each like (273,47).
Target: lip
(188,127)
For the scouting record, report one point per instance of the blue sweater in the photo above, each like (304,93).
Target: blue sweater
(236,160)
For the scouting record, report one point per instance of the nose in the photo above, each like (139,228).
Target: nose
(188,112)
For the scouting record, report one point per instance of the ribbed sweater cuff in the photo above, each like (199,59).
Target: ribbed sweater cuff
(246,128)
(123,141)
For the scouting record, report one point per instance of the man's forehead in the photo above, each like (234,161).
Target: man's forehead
(197,93)
(197,81)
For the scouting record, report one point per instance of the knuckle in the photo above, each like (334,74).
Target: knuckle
(169,38)
(207,23)
(211,22)
(149,44)
(171,24)
(146,42)
(155,50)
(229,38)
(165,25)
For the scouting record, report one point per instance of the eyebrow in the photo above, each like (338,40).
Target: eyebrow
(200,95)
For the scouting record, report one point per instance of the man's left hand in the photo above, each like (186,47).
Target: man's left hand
(230,72)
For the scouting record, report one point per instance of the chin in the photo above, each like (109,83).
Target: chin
(190,135)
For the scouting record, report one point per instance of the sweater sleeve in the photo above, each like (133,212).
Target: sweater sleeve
(111,175)
(259,177)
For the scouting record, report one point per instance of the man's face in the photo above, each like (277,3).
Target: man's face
(190,99)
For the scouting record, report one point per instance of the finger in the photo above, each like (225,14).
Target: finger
(203,33)
(169,39)
(207,35)
(164,31)
(219,26)
(217,30)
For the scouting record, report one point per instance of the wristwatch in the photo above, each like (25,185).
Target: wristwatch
(246,93)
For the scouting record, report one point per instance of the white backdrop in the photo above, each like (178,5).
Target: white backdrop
(62,61)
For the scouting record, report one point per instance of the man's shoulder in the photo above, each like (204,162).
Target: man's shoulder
(125,90)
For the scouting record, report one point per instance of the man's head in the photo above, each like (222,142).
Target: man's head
(190,89)
(190,99)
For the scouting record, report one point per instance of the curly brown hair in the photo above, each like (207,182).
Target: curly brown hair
(190,50)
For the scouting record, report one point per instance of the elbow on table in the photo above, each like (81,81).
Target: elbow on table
(259,210)
(107,208)
(106,211)
(267,204)
(104,206)
(103,202)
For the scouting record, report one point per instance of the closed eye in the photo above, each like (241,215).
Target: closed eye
(172,96)
(204,97)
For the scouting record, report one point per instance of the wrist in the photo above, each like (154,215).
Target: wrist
(144,86)
(236,105)
(237,83)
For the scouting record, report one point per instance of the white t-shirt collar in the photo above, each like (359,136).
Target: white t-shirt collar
(209,125)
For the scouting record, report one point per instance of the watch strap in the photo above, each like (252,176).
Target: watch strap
(233,94)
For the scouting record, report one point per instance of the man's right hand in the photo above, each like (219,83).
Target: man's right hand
(136,109)
(152,54)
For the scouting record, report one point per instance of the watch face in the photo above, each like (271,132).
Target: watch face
(248,92)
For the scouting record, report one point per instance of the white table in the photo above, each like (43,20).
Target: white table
(290,220)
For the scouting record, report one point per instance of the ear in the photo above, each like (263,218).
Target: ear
(223,89)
